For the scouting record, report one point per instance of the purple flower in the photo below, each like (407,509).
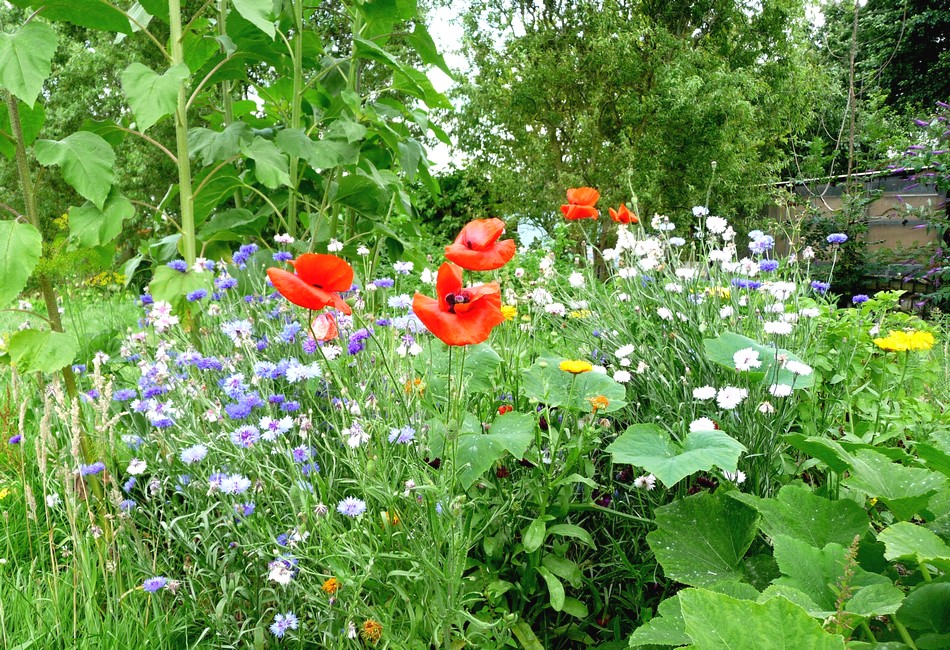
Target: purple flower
(151,585)
(225,282)
(246,437)
(837,238)
(129,484)
(244,509)
(309,346)
(124,395)
(194,454)
(15,440)
(402,436)
(860,298)
(244,253)
(196,295)
(95,468)
(283,256)
(768,265)
(282,623)
(127,505)
(146,299)
(820,287)
(178,265)
(384,283)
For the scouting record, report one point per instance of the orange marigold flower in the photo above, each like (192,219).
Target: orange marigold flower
(477,247)
(623,215)
(459,316)
(372,631)
(330,586)
(318,281)
(580,203)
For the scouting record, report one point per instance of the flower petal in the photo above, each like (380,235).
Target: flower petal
(325,271)
(449,280)
(583,196)
(466,328)
(323,327)
(489,258)
(480,233)
(575,212)
(296,290)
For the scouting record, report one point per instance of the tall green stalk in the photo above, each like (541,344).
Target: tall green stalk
(185,191)
(296,112)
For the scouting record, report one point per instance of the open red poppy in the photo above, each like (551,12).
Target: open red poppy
(459,316)
(477,247)
(317,283)
(580,203)
(623,215)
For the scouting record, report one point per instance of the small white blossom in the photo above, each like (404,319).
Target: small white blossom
(645,482)
(335,246)
(730,397)
(704,393)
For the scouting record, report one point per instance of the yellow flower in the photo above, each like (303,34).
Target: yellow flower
(509,312)
(575,367)
(4,493)
(372,631)
(580,313)
(901,341)
(721,292)
(598,403)
(330,586)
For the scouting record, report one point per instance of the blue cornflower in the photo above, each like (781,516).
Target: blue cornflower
(402,436)
(128,485)
(238,410)
(209,363)
(283,256)
(245,509)
(79,368)
(15,439)
(290,407)
(146,299)
(282,623)
(742,283)
(310,468)
(124,395)
(225,282)
(244,253)
(127,505)
(151,585)
(762,244)
(276,399)
(768,265)
(290,332)
(246,436)
(94,468)
(351,507)
(178,265)
(309,346)
(384,283)
(196,295)
(859,299)
(837,238)
(300,454)
(194,454)
(820,287)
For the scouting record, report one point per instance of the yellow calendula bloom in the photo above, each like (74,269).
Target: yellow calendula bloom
(372,631)
(721,292)
(510,312)
(579,313)
(598,403)
(4,493)
(575,367)
(330,586)
(901,341)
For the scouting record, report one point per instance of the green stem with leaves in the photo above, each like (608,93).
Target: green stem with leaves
(185,191)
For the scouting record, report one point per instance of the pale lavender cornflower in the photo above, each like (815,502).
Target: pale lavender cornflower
(193,454)
(234,484)
(402,436)
(246,436)
(403,268)
(351,507)
(282,623)
(151,585)
(837,238)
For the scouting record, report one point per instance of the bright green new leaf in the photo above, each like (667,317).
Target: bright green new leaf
(89,226)
(646,446)
(667,628)
(25,59)
(86,161)
(575,532)
(152,96)
(172,286)
(881,599)
(701,540)
(905,490)
(533,535)
(20,248)
(555,589)
(346,129)
(799,513)
(575,608)
(718,622)
(564,569)
(41,351)
(270,165)
(259,13)
(826,450)
(908,542)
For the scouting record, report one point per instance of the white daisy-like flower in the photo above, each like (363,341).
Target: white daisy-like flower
(622,376)
(747,359)
(726,312)
(767,408)
(664,313)
(730,397)
(702,424)
(798,368)
(576,279)
(335,246)
(738,477)
(673,287)
(716,225)
(810,312)
(779,328)
(780,390)
(704,392)
(645,482)
(624,351)
(136,467)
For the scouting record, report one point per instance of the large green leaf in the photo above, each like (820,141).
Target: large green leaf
(20,248)
(270,165)
(214,146)
(157,8)
(94,14)
(799,513)
(210,193)
(258,12)
(701,540)
(818,572)
(89,226)
(927,608)
(477,452)
(31,123)
(478,372)
(41,351)
(25,59)
(172,286)
(86,161)
(319,154)
(905,490)
(647,446)
(152,96)
(236,224)
(545,382)
(826,450)
(905,541)
(719,622)
(667,628)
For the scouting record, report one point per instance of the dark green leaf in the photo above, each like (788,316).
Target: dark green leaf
(555,589)
(215,146)
(270,165)
(31,122)
(927,608)
(905,490)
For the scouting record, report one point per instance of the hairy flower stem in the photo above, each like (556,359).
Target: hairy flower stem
(185,190)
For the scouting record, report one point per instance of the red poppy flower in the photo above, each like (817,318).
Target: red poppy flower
(623,215)
(477,247)
(317,283)
(580,203)
(459,316)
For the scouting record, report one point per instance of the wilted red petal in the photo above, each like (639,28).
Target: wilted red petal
(325,271)
(296,290)
(575,212)
(583,196)
(323,328)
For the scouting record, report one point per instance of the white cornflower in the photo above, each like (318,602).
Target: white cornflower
(747,359)
(645,482)
(726,312)
(810,312)
(702,424)
(53,500)
(362,251)
(284,239)
(673,287)
(136,467)
(624,351)
(664,313)
(716,225)
(780,390)
(700,211)
(766,407)
(335,246)
(798,368)
(704,393)
(555,309)
(622,376)
(778,328)
(642,368)
(737,477)
(427,276)
(576,280)
(730,397)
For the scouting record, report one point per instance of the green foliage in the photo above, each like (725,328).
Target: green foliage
(89,226)
(152,96)
(86,160)
(41,351)
(20,249)
(25,60)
